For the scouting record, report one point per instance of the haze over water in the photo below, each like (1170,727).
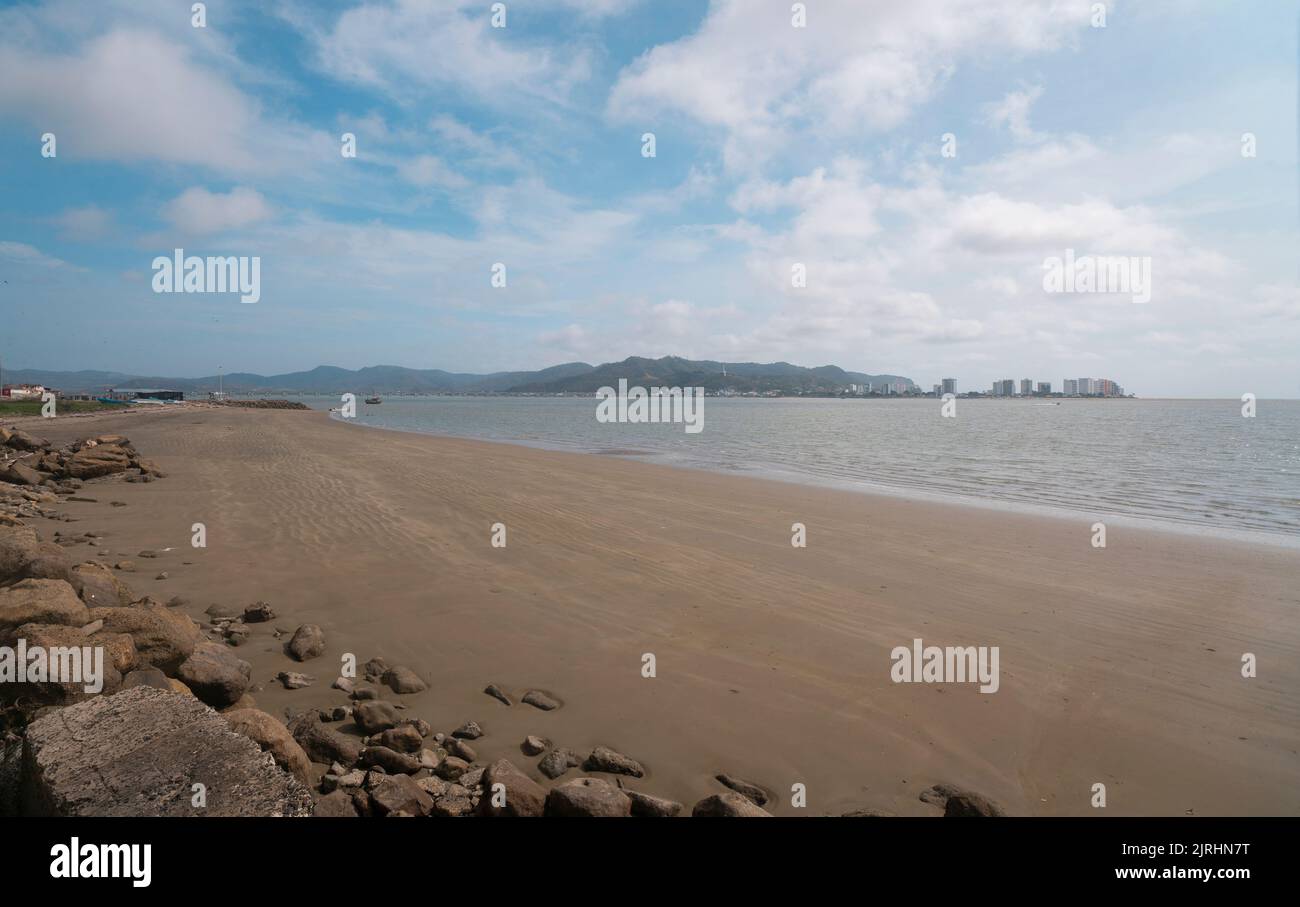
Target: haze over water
(1191,463)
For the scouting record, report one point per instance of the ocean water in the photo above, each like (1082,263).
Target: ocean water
(1193,464)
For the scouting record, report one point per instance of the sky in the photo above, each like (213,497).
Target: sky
(919,161)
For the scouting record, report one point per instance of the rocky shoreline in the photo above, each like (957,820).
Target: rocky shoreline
(176,726)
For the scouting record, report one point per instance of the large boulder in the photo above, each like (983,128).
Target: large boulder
(273,737)
(324,744)
(72,661)
(100,460)
(100,587)
(522,795)
(51,561)
(162,637)
(398,793)
(41,601)
(375,715)
(20,473)
(215,675)
(18,545)
(21,440)
(140,752)
(401,679)
(588,797)
(308,641)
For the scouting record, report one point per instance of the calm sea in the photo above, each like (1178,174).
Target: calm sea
(1194,464)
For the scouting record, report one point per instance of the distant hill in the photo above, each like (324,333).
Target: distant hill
(571,377)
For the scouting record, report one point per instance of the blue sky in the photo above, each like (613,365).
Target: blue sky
(775,145)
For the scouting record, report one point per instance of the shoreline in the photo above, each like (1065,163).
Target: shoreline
(774,473)
(773,662)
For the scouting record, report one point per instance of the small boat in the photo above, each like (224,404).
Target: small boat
(374,400)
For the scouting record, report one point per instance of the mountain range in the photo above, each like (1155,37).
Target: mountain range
(570,377)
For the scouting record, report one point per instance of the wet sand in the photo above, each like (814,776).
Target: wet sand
(1119,665)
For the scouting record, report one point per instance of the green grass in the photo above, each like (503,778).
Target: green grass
(64,407)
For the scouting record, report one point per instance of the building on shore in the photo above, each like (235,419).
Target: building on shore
(1044,388)
(143,393)
(23,391)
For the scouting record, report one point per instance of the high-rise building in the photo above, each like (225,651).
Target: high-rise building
(1026,387)
(1085,387)
(1070,386)
(950,385)
(1044,388)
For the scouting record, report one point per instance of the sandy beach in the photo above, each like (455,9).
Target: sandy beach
(1119,665)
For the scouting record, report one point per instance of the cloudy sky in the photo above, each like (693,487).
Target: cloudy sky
(774,146)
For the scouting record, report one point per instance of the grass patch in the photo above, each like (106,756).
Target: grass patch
(64,407)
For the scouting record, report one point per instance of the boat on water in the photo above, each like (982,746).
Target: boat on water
(375,399)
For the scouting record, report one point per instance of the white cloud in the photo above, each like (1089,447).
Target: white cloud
(750,74)
(198,211)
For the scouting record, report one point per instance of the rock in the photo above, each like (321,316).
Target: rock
(431,759)
(541,700)
(363,691)
(146,676)
(178,601)
(324,744)
(647,806)
(604,759)
(258,613)
(100,587)
(374,716)
(468,731)
(101,460)
(523,795)
(21,474)
(308,642)
(292,680)
(136,753)
(497,693)
(125,566)
(461,749)
(453,807)
(215,675)
(957,801)
(391,761)
(336,805)
(404,739)
(71,658)
(179,687)
(147,553)
(41,601)
(273,737)
(51,561)
(451,768)
(744,788)
(18,545)
(401,679)
(728,805)
(588,797)
(534,745)
(421,726)
(163,638)
(21,440)
(557,762)
(342,683)
(220,612)
(434,787)
(236,634)
(399,793)
(162,575)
